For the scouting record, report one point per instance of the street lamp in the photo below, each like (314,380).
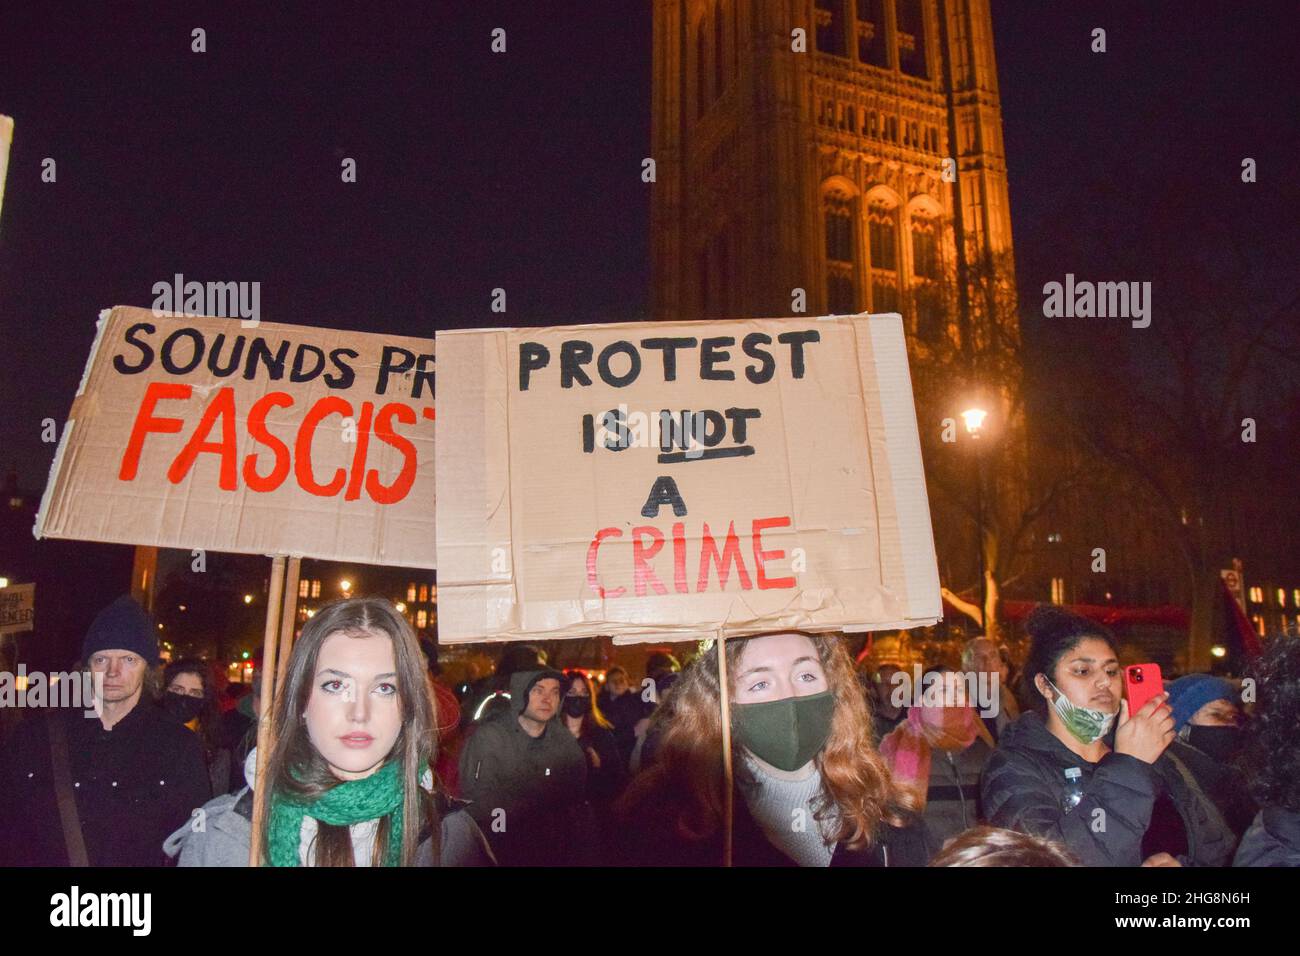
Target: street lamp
(248,599)
(974,419)
(345,585)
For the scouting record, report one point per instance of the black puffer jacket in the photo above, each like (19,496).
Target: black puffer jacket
(1024,788)
(1272,840)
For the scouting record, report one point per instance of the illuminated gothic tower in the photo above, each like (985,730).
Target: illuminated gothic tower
(853,149)
(825,169)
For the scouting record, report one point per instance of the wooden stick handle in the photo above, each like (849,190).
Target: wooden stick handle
(265,736)
(292,567)
(728,789)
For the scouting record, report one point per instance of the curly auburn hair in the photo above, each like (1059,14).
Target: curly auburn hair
(1270,756)
(686,781)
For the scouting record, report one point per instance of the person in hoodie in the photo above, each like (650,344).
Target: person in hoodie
(1208,737)
(525,777)
(1113,796)
(133,773)
(1272,759)
(347,781)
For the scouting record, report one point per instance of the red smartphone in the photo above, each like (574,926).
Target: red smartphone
(1141,683)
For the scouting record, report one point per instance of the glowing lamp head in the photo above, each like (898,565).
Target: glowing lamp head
(974,419)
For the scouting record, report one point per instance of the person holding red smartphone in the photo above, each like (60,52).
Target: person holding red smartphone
(1087,771)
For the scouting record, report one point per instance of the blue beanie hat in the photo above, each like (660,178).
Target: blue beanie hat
(1189,694)
(123,626)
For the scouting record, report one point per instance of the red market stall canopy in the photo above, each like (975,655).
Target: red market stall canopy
(1111,615)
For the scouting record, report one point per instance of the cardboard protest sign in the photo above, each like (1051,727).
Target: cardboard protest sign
(195,432)
(17,608)
(666,481)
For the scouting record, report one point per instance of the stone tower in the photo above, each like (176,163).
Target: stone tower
(850,151)
(860,159)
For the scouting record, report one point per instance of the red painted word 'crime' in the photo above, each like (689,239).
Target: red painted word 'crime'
(647,541)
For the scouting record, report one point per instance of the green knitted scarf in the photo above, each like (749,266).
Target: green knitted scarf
(353,801)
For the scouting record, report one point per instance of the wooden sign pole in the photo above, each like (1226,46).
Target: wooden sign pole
(287,627)
(728,791)
(265,739)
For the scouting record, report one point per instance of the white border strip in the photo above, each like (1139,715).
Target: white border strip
(898,409)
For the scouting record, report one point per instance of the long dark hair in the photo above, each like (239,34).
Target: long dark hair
(296,767)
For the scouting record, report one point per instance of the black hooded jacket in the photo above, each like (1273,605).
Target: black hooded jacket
(1024,788)
(526,793)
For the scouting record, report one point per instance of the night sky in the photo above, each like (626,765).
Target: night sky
(478,170)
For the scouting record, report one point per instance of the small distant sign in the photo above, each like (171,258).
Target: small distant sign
(17,608)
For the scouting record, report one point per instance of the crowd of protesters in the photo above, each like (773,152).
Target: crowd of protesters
(374,761)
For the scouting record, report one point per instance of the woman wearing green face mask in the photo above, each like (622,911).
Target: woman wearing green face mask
(1081,770)
(810,788)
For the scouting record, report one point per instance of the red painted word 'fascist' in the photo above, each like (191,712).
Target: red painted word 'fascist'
(220,415)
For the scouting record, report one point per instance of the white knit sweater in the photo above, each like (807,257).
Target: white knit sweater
(783,810)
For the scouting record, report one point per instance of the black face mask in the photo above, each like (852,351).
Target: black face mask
(1221,743)
(577,706)
(182,706)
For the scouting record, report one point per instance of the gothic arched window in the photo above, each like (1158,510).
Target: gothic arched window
(872,48)
(884,251)
(925,248)
(909,21)
(841,259)
(882,236)
(927,300)
(829,19)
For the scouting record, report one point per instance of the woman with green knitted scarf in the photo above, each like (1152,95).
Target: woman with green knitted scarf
(348,775)
(367,800)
